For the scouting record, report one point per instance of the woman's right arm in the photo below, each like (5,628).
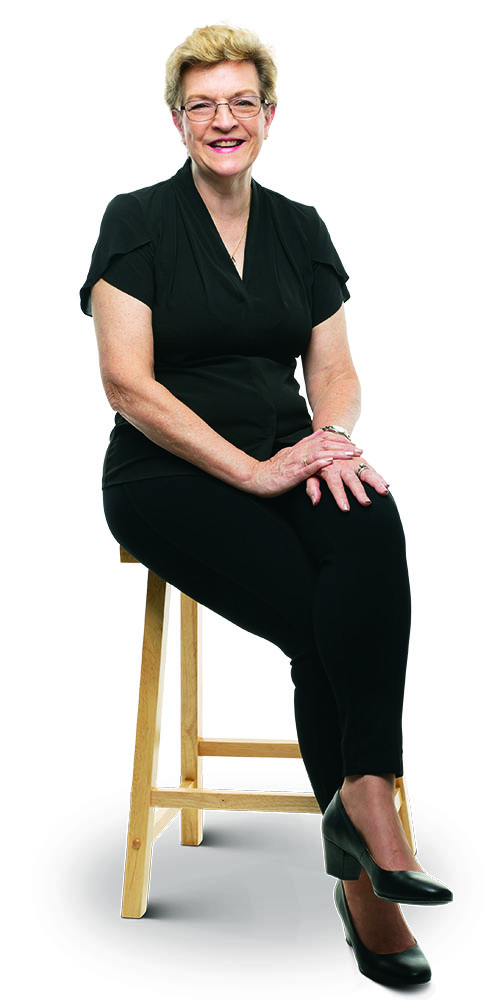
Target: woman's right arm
(125,343)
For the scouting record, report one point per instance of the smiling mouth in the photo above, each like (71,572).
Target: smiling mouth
(226,143)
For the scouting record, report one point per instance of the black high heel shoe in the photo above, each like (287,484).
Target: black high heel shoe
(396,969)
(346,854)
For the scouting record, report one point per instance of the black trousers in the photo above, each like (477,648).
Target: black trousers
(329,588)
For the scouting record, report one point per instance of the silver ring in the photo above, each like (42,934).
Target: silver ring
(360,469)
(305,461)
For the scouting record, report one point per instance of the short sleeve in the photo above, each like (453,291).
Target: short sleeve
(329,289)
(123,254)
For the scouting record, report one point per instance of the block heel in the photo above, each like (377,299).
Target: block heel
(339,863)
(346,853)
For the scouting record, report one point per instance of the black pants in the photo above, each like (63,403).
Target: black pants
(329,588)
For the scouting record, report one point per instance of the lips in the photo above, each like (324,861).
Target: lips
(226,143)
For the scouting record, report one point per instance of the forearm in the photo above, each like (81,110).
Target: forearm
(339,402)
(172,425)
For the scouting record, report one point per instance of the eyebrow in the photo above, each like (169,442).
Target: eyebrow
(238,93)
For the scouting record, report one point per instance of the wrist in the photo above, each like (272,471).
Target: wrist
(337,429)
(248,475)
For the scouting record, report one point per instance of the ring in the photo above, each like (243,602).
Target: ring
(360,469)
(305,461)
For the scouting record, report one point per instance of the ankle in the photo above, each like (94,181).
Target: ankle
(367,784)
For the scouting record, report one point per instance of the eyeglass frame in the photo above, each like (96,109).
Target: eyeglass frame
(219,104)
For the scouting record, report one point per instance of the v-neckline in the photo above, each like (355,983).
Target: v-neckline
(249,232)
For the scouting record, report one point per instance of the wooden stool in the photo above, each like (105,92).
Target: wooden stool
(152,808)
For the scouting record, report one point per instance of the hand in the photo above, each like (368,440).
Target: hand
(290,466)
(339,474)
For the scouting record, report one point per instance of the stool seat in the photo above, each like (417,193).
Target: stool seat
(152,809)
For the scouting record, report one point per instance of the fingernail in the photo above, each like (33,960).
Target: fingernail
(345,506)
(367,503)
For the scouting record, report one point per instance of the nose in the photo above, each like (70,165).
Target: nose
(224,116)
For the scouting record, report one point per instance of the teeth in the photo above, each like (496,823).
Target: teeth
(226,142)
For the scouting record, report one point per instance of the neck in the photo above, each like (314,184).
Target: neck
(225,197)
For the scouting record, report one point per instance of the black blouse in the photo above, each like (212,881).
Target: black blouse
(224,345)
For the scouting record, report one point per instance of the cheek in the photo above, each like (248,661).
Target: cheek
(191,137)
(257,134)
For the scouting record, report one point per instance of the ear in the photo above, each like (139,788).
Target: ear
(177,120)
(269,115)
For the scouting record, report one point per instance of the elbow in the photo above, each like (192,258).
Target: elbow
(123,396)
(113,394)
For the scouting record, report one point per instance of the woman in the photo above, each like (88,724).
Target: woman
(205,289)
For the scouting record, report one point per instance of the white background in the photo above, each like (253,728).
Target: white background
(387,123)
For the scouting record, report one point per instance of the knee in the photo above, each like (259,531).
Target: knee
(379,525)
(307,669)
(300,666)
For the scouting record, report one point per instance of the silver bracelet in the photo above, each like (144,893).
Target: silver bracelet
(337,430)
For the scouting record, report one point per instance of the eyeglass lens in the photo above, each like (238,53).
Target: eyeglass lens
(241,107)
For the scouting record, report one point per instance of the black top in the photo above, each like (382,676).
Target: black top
(224,345)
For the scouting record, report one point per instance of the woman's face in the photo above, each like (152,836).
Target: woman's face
(203,139)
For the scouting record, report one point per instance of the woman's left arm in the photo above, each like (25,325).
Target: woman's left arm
(334,394)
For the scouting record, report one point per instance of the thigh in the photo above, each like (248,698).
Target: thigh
(326,531)
(229,550)
(362,581)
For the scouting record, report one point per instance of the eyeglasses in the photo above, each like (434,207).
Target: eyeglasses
(240,107)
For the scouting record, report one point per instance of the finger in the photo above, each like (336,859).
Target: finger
(336,487)
(310,470)
(328,440)
(313,489)
(307,451)
(356,486)
(340,437)
(341,440)
(314,434)
(320,458)
(311,465)
(374,479)
(328,447)
(353,453)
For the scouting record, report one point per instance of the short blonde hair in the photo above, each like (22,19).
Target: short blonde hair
(214,44)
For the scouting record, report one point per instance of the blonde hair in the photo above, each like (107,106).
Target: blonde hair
(214,44)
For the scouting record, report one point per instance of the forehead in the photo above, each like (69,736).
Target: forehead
(222,80)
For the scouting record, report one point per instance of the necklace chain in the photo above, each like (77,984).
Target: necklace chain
(233,254)
(240,239)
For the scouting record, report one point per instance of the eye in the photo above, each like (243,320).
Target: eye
(243,102)
(199,105)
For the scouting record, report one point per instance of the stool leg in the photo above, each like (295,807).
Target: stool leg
(191,763)
(404,814)
(140,831)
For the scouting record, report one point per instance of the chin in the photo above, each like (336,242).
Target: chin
(231,168)
(228,170)
(225,164)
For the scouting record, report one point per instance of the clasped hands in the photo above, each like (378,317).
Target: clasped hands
(322,455)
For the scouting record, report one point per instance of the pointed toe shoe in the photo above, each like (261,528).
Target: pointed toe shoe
(346,854)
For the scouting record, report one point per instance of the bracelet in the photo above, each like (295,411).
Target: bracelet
(337,430)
